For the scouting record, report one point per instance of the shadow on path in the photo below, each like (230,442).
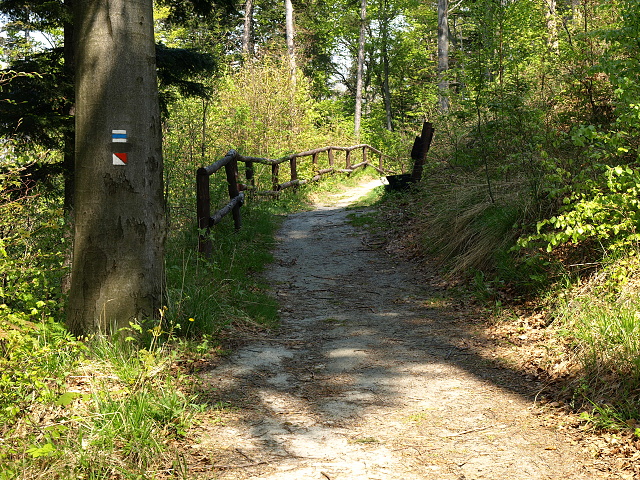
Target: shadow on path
(373,375)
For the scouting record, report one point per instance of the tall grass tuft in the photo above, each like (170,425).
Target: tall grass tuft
(469,226)
(603,316)
(601,320)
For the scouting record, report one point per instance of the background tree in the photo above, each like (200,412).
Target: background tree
(360,67)
(443,54)
(290,35)
(248,43)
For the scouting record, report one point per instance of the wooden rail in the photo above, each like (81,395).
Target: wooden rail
(236,192)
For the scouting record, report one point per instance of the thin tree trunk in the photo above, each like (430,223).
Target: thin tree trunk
(69,135)
(118,259)
(552,27)
(288,6)
(360,68)
(386,91)
(443,55)
(248,45)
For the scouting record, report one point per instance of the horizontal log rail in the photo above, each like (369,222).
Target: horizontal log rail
(236,191)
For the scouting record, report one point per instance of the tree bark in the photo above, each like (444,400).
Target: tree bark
(117,274)
(443,55)
(288,6)
(248,45)
(360,68)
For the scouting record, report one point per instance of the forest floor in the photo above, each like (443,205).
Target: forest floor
(378,372)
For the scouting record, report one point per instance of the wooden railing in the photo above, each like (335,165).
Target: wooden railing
(236,191)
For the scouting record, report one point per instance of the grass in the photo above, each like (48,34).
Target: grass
(600,319)
(115,419)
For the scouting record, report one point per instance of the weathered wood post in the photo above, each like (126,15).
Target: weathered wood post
(203,209)
(294,171)
(231,170)
(275,168)
(250,174)
(347,160)
(314,160)
(420,149)
(330,155)
(364,155)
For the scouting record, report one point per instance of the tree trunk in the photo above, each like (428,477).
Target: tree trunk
(248,46)
(386,91)
(360,68)
(290,40)
(68,146)
(443,55)
(117,272)
(69,135)
(552,27)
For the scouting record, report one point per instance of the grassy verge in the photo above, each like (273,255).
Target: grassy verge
(119,408)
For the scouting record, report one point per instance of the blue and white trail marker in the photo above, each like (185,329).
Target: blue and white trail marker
(119,136)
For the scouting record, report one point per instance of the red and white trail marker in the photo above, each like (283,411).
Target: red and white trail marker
(120,159)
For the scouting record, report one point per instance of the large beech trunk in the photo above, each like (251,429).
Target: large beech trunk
(117,274)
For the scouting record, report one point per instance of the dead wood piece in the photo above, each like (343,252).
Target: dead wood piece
(240,465)
(459,434)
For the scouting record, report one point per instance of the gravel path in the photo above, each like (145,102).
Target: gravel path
(372,375)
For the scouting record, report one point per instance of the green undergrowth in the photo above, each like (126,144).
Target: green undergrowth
(119,407)
(204,296)
(105,409)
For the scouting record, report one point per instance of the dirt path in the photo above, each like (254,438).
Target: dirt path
(372,376)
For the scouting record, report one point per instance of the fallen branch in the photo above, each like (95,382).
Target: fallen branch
(240,465)
(468,431)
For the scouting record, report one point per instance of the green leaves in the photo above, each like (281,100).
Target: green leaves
(45,450)
(609,214)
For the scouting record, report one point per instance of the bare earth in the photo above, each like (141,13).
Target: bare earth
(372,376)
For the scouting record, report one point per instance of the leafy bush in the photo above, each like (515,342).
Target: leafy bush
(608,214)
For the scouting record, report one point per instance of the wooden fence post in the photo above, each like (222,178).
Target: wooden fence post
(231,169)
(364,154)
(421,148)
(294,168)
(249,173)
(315,159)
(347,160)
(275,168)
(331,159)
(203,209)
